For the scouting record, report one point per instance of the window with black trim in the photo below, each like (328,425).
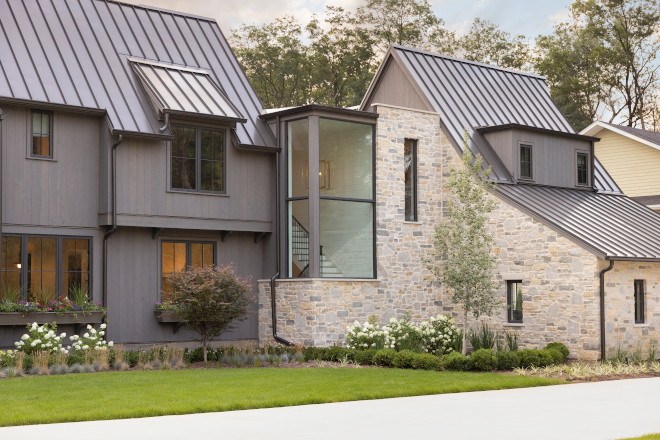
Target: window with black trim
(525,161)
(198,159)
(42,129)
(39,267)
(177,256)
(639,301)
(582,159)
(514,301)
(410,170)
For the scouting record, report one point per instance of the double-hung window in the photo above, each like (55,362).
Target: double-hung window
(42,129)
(36,267)
(177,256)
(514,300)
(410,170)
(639,301)
(582,169)
(525,161)
(198,159)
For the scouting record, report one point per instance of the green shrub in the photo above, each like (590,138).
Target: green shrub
(365,357)
(554,357)
(426,361)
(484,360)
(335,353)
(560,348)
(385,357)
(482,338)
(545,357)
(404,359)
(507,360)
(455,362)
(529,357)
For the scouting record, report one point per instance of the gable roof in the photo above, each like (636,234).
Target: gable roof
(76,55)
(647,137)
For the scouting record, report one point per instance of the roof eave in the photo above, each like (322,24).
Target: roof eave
(204,116)
(325,108)
(536,129)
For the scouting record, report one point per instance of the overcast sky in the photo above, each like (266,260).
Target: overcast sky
(527,17)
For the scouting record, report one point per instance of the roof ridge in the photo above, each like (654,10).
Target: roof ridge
(461,60)
(168,11)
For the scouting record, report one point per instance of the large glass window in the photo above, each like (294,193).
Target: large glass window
(525,161)
(198,159)
(299,238)
(410,173)
(177,256)
(582,174)
(42,127)
(298,197)
(514,301)
(44,267)
(639,301)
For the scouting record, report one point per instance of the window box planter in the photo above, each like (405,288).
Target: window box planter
(167,317)
(14,319)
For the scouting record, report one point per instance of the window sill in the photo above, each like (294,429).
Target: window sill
(412,223)
(197,193)
(512,324)
(641,325)
(47,159)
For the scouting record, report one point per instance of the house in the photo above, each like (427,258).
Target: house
(631,156)
(133,146)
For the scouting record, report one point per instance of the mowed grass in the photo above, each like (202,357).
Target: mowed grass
(645,437)
(116,395)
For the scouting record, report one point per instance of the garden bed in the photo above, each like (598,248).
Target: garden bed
(22,318)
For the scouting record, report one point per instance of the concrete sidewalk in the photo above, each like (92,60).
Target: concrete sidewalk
(601,410)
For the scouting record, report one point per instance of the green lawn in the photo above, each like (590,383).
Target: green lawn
(645,437)
(70,398)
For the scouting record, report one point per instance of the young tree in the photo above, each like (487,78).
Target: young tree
(486,43)
(211,300)
(461,258)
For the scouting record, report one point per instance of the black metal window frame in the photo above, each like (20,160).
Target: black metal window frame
(198,161)
(188,244)
(58,261)
(413,177)
(577,168)
(510,284)
(50,135)
(528,145)
(344,199)
(640,299)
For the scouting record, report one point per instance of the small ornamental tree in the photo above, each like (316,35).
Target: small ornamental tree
(211,300)
(461,258)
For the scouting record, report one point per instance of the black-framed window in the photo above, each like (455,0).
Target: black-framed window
(514,301)
(179,255)
(198,159)
(42,134)
(582,159)
(44,267)
(525,161)
(639,301)
(410,173)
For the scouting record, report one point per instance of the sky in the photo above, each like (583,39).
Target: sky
(526,17)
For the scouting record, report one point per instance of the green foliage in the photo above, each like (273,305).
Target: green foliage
(10,293)
(511,339)
(484,360)
(482,338)
(550,356)
(365,357)
(426,361)
(486,43)
(404,359)
(456,361)
(40,338)
(368,335)
(529,358)
(211,300)
(507,360)
(78,294)
(457,341)
(560,348)
(385,357)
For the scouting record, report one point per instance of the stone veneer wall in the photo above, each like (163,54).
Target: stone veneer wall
(560,279)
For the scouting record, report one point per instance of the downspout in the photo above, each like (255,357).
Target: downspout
(2,118)
(167,123)
(113,182)
(277,239)
(602,309)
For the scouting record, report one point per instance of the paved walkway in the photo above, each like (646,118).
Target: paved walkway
(601,410)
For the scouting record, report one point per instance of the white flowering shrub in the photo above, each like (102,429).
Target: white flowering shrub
(434,336)
(41,338)
(363,337)
(91,340)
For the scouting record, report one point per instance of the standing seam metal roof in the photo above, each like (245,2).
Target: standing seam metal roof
(76,53)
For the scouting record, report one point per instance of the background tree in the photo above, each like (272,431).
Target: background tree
(461,258)
(486,43)
(211,300)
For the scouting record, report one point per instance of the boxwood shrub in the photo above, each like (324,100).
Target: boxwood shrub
(403,359)
(426,361)
(385,357)
(560,348)
(455,361)
(365,357)
(484,360)
(529,357)
(555,356)
(507,360)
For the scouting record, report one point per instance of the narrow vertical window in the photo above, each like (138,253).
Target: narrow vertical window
(42,124)
(42,269)
(184,158)
(525,161)
(212,159)
(11,268)
(514,301)
(639,301)
(75,267)
(582,175)
(410,170)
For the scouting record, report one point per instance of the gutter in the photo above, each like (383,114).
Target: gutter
(112,230)
(602,310)
(273,306)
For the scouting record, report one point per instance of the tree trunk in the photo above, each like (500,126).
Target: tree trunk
(465,330)
(204,350)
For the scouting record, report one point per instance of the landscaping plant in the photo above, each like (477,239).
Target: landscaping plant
(91,340)
(462,258)
(484,360)
(41,338)
(211,300)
